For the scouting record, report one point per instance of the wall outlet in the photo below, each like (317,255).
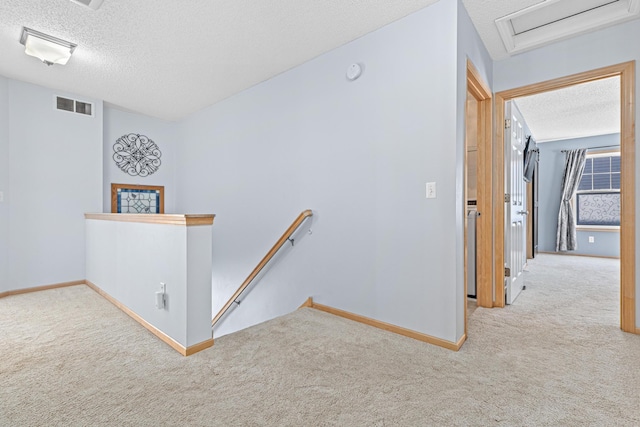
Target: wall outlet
(431,190)
(592,239)
(161,297)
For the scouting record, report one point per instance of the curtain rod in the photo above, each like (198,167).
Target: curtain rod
(595,148)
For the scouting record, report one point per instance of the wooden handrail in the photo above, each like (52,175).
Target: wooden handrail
(285,237)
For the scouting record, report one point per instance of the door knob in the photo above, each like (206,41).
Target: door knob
(523,212)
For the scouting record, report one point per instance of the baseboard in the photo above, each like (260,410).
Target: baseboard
(572,254)
(193,349)
(185,351)
(308,303)
(41,288)
(387,326)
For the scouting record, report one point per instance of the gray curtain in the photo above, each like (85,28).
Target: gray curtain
(566,236)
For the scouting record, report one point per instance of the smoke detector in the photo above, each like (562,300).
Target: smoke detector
(93,4)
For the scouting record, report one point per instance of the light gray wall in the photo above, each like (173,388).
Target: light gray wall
(587,52)
(357,153)
(118,123)
(55,176)
(129,260)
(470,47)
(4,182)
(550,180)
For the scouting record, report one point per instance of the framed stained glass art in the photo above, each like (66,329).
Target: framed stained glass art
(138,199)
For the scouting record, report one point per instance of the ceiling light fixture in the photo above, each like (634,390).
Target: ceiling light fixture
(50,50)
(93,4)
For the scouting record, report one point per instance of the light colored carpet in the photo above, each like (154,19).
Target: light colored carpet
(556,357)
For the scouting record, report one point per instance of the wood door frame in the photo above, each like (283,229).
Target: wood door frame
(484,224)
(626,72)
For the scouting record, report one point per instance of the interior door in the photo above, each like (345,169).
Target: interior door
(515,203)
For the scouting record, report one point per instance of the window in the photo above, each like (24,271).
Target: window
(598,195)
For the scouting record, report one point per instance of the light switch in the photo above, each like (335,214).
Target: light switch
(431,190)
(1,196)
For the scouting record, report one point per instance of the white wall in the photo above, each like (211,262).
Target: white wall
(552,162)
(129,260)
(4,182)
(357,153)
(118,123)
(55,176)
(582,53)
(470,47)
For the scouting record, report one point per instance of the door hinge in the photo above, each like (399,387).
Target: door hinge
(507,123)
(507,198)
(507,272)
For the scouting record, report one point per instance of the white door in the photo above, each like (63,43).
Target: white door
(515,203)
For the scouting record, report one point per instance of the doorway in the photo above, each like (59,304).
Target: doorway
(626,73)
(478,187)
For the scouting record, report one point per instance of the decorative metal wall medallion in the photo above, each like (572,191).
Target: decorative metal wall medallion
(137,155)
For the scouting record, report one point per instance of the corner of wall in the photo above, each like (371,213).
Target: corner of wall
(4,182)
(118,123)
(55,176)
(470,47)
(358,153)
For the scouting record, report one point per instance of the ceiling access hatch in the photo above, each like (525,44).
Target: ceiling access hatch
(553,20)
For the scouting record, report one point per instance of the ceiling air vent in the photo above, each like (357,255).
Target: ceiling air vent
(93,4)
(74,106)
(554,20)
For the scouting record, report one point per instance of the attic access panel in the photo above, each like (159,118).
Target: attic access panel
(554,20)
(554,12)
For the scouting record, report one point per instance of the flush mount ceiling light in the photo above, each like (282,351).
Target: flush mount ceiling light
(50,50)
(553,20)
(93,4)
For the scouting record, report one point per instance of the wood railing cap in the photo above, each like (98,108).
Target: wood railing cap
(284,238)
(173,219)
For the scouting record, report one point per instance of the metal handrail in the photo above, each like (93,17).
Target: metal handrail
(286,237)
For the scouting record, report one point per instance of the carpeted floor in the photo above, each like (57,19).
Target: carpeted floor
(556,357)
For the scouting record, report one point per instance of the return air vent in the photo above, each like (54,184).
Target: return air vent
(74,106)
(93,4)
(553,20)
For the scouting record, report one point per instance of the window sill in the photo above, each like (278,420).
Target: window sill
(609,229)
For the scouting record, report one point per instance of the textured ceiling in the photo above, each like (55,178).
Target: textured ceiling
(168,58)
(582,110)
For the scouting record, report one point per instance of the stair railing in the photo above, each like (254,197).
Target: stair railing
(286,237)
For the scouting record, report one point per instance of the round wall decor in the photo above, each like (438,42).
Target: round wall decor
(137,155)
